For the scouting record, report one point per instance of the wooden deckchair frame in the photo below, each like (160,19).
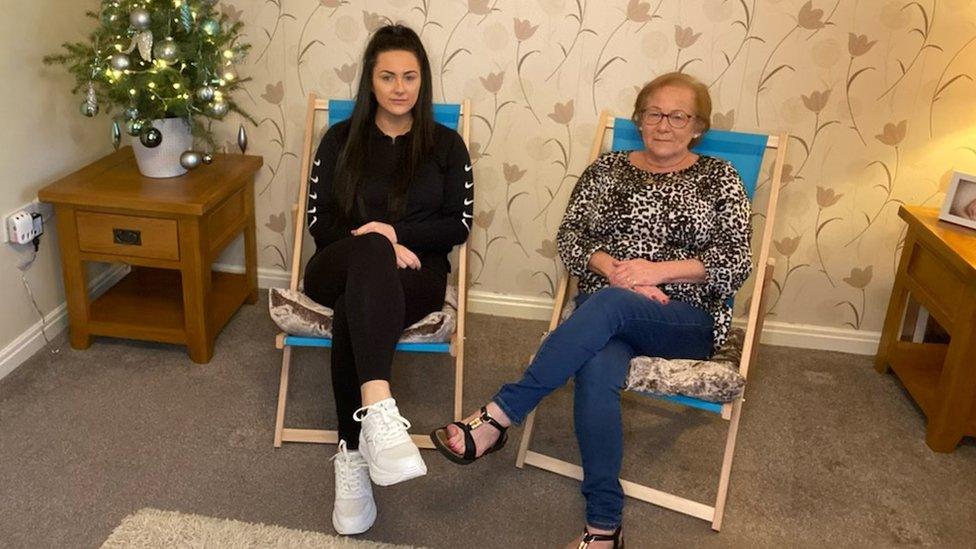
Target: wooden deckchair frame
(730,411)
(456,348)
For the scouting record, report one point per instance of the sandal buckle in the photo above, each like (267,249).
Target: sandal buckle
(476,422)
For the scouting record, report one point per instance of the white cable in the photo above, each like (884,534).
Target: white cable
(23,278)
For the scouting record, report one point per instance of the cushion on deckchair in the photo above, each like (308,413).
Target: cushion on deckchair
(715,380)
(296,314)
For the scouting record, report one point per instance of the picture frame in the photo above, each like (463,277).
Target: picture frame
(959,206)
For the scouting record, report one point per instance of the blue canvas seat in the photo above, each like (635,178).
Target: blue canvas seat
(746,152)
(454,116)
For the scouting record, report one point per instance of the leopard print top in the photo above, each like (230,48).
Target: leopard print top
(701,212)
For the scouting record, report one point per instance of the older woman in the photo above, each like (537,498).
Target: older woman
(659,239)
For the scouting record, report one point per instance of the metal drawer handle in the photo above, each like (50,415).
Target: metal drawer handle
(127,237)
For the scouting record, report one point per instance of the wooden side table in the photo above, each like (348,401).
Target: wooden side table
(170,231)
(938,268)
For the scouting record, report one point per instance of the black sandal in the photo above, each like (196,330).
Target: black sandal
(440,436)
(617,538)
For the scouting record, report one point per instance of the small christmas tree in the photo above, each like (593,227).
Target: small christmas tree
(151,59)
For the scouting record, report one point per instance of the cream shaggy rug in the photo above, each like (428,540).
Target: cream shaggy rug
(152,528)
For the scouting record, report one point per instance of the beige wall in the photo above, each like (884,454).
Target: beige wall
(43,137)
(855,116)
(877,122)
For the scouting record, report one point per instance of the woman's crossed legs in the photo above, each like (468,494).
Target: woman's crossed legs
(595,345)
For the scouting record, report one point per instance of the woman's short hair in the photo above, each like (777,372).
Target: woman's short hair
(703,100)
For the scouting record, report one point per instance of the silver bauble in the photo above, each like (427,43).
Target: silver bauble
(134,126)
(218,108)
(166,50)
(131,113)
(242,138)
(207,158)
(151,138)
(210,27)
(119,61)
(88,108)
(190,159)
(116,134)
(139,19)
(143,41)
(205,94)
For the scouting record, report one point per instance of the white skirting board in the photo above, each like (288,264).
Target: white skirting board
(31,341)
(803,336)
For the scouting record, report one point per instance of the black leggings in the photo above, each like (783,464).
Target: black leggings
(373,301)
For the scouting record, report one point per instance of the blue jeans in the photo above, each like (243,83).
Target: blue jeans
(595,344)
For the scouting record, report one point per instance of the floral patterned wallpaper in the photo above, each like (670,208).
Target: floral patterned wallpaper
(878,96)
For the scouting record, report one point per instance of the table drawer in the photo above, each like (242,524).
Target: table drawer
(128,235)
(226,219)
(939,280)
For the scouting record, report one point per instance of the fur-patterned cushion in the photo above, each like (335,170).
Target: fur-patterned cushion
(296,314)
(715,380)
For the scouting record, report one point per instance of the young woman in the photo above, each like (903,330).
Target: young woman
(659,238)
(390,195)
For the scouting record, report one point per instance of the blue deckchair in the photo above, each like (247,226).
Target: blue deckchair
(456,117)
(746,152)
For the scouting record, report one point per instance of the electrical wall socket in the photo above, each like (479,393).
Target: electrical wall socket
(45,209)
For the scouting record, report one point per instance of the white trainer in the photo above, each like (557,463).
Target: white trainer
(385,444)
(354,510)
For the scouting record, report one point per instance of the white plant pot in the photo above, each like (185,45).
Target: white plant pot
(163,160)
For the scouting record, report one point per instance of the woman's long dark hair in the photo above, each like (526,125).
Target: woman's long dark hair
(351,163)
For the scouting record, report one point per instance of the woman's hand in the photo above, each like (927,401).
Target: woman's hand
(636,272)
(653,292)
(377,227)
(405,258)
(601,263)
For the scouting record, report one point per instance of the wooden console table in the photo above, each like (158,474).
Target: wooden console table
(938,268)
(169,231)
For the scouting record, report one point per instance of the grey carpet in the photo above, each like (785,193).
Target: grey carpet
(830,453)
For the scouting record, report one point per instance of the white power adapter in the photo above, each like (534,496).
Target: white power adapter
(23,227)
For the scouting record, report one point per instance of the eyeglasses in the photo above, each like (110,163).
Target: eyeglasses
(676,119)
